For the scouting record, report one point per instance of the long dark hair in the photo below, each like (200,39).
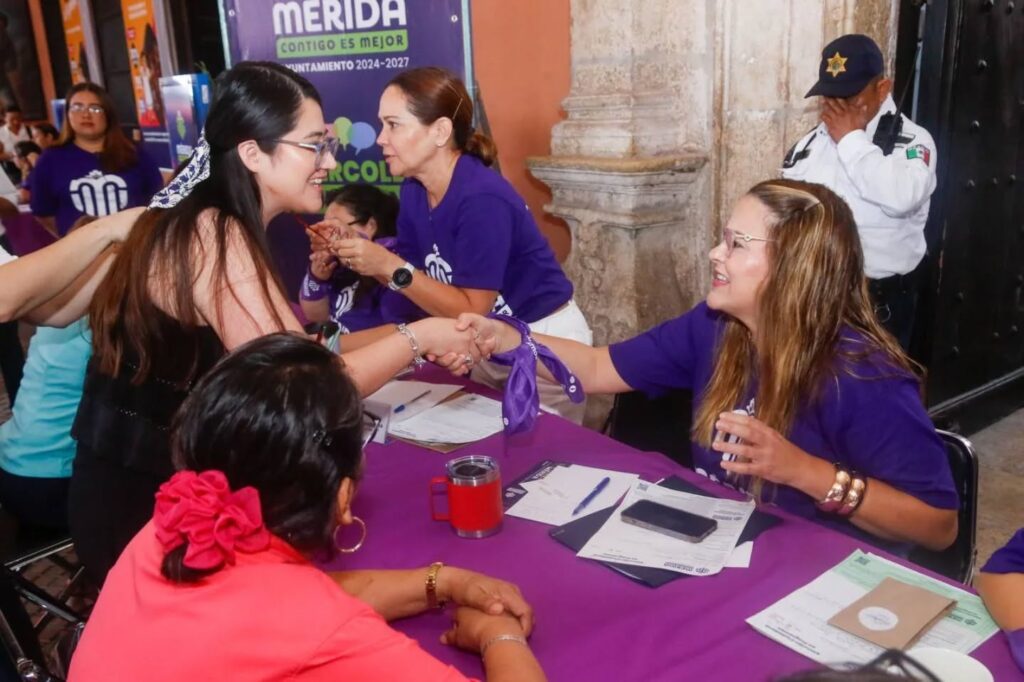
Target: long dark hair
(118,152)
(433,93)
(279,414)
(252,101)
(366,202)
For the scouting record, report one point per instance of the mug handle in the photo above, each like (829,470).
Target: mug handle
(434,482)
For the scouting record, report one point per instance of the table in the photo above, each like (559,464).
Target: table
(592,623)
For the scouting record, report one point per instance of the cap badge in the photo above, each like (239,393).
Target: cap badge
(836,65)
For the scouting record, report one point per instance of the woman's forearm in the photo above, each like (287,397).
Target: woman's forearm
(392,594)
(885,511)
(1003,594)
(316,311)
(446,300)
(34,279)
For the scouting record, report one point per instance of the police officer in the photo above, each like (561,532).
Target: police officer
(882,164)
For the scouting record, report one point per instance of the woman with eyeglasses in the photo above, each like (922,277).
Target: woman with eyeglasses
(93,169)
(195,280)
(220,584)
(800,396)
(466,240)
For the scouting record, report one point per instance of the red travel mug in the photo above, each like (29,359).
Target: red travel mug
(473,488)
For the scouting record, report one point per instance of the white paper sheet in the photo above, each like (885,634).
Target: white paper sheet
(410,394)
(552,499)
(465,419)
(627,544)
(799,621)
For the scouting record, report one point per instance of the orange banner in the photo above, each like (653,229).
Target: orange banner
(74,36)
(144,57)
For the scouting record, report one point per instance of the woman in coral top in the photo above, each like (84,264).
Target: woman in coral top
(219,585)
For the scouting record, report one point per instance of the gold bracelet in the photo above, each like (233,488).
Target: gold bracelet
(431,586)
(833,499)
(854,496)
(502,638)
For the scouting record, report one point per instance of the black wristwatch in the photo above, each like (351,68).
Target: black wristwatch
(402,277)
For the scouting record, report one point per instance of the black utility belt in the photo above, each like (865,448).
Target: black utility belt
(894,284)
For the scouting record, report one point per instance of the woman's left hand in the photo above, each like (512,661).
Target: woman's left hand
(366,257)
(764,451)
(487,594)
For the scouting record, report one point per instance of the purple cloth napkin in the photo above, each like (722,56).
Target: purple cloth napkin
(521,400)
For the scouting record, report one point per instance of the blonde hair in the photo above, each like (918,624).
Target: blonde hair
(815,289)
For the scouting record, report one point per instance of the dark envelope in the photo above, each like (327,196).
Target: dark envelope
(894,614)
(576,533)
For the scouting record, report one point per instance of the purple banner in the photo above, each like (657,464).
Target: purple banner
(349,50)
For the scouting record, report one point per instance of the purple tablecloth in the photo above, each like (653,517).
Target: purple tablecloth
(592,623)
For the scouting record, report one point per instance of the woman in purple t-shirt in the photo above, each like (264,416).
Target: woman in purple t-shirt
(94,169)
(788,334)
(1001,586)
(466,240)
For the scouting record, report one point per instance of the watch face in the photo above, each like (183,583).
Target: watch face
(401,278)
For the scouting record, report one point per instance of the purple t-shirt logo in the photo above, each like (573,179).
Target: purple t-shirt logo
(437,267)
(97,194)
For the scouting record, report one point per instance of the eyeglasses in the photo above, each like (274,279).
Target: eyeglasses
(328,144)
(732,237)
(78,108)
(894,661)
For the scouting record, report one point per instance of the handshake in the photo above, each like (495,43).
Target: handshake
(459,344)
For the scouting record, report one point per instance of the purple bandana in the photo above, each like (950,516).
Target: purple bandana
(521,401)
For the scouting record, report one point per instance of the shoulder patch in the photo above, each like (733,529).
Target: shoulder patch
(919,151)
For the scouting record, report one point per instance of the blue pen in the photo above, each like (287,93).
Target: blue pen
(591,495)
(410,402)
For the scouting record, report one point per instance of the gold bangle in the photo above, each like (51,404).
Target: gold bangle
(833,499)
(431,586)
(854,496)
(502,638)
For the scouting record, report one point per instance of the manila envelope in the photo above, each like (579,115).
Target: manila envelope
(893,615)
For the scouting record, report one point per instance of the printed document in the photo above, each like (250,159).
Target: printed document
(622,543)
(800,620)
(465,419)
(553,498)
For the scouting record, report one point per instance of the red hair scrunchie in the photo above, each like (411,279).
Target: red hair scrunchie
(201,509)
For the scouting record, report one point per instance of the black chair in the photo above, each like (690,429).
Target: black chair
(19,548)
(654,424)
(957,561)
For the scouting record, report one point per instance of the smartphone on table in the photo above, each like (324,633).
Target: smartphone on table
(673,522)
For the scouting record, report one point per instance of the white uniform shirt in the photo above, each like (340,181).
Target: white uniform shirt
(9,139)
(889,195)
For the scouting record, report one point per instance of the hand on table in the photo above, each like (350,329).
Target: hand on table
(471,628)
(764,451)
(842,116)
(490,596)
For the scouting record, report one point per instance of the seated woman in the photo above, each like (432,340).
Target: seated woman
(268,451)
(788,334)
(466,239)
(334,293)
(1001,586)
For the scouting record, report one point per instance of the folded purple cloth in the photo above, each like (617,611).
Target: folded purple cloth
(521,400)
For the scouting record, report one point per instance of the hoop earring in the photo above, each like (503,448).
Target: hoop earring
(355,547)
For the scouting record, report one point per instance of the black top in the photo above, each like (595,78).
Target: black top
(130,423)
